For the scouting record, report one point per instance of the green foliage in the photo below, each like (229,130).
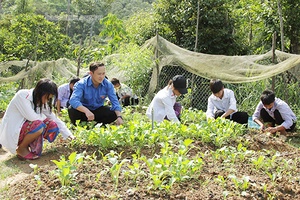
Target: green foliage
(176,21)
(23,7)
(66,171)
(140,27)
(7,92)
(113,32)
(136,64)
(32,37)
(125,8)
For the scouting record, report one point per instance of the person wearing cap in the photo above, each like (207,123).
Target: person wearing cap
(164,105)
(222,103)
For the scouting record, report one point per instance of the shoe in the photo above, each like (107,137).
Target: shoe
(29,156)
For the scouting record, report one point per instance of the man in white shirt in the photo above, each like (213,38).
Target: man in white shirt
(274,111)
(222,103)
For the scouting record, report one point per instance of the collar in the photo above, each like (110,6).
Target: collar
(171,93)
(90,82)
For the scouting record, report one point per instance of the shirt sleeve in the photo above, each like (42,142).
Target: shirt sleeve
(169,109)
(285,112)
(256,113)
(126,91)
(210,108)
(60,92)
(61,125)
(77,95)
(25,108)
(232,101)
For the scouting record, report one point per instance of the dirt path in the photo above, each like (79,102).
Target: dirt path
(22,167)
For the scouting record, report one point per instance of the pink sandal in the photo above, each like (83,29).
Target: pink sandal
(29,156)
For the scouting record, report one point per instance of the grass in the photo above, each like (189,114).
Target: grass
(8,169)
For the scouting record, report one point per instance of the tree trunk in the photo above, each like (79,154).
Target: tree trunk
(281,25)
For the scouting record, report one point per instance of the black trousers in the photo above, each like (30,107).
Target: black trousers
(278,118)
(102,115)
(239,117)
(130,101)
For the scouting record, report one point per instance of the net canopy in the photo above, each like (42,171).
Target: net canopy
(230,69)
(31,71)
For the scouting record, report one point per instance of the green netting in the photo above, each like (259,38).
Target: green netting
(230,69)
(30,71)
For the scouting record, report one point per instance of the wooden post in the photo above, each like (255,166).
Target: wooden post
(79,59)
(273,57)
(156,63)
(195,50)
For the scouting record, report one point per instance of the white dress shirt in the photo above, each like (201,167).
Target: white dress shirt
(18,111)
(163,105)
(285,111)
(215,103)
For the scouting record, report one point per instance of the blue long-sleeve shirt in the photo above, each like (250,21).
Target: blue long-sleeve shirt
(85,94)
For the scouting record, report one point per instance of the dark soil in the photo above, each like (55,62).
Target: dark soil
(93,180)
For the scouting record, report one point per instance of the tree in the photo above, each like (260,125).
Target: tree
(113,31)
(177,22)
(291,15)
(32,37)
(123,9)
(141,27)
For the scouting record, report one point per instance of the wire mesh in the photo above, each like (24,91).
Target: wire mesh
(285,86)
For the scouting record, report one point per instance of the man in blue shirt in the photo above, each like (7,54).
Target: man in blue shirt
(88,97)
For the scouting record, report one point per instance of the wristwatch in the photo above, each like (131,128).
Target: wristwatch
(120,117)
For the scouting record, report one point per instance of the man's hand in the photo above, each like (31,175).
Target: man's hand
(271,129)
(89,115)
(119,121)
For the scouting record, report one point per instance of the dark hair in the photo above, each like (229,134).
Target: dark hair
(74,80)
(115,81)
(44,87)
(216,85)
(94,66)
(267,97)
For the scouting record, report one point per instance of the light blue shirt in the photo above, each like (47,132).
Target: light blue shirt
(285,111)
(63,94)
(85,94)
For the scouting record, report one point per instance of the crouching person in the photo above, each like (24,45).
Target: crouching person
(222,103)
(274,115)
(29,120)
